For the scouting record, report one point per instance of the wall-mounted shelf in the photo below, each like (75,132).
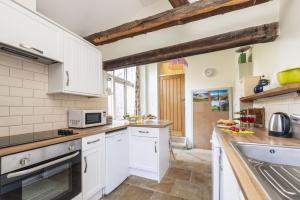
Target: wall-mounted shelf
(273,92)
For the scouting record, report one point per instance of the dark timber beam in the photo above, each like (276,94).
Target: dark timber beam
(178,3)
(184,14)
(258,34)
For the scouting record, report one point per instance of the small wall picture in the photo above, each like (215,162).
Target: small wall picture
(219,100)
(199,96)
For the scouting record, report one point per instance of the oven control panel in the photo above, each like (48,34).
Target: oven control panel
(24,159)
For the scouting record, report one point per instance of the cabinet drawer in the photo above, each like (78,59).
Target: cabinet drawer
(93,141)
(144,132)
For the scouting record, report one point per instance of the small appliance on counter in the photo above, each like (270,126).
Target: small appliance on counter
(109,119)
(86,118)
(280,125)
(261,84)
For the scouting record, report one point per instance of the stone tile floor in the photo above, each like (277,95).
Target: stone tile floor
(189,178)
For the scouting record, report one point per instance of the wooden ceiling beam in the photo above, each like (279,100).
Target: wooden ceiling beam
(184,14)
(178,3)
(258,34)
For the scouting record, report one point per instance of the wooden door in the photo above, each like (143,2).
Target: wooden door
(203,122)
(172,102)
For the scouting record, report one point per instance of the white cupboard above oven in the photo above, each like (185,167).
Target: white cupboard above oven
(22,29)
(75,65)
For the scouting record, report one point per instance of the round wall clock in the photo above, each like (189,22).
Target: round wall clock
(209,72)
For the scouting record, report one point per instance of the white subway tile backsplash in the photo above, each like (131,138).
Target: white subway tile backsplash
(20,111)
(4,131)
(4,90)
(10,81)
(41,77)
(33,102)
(17,73)
(17,130)
(10,61)
(55,118)
(33,67)
(59,125)
(41,94)
(10,101)
(33,119)
(20,92)
(43,110)
(33,84)
(42,127)
(4,111)
(4,71)
(25,105)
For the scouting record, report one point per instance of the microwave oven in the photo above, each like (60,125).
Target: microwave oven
(86,118)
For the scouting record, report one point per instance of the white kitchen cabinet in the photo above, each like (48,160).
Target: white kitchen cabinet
(93,166)
(225,185)
(23,29)
(117,159)
(149,152)
(81,72)
(230,189)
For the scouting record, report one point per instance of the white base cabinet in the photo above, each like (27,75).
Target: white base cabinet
(117,159)
(93,166)
(149,152)
(225,185)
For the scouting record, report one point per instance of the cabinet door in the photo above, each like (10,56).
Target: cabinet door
(143,153)
(92,172)
(23,29)
(230,189)
(82,66)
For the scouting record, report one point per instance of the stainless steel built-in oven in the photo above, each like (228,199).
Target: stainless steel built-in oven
(52,172)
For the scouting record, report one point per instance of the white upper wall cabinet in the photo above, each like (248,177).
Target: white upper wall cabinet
(79,64)
(82,69)
(23,29)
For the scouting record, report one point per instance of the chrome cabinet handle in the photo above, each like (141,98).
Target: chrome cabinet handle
(86,165)
(91,142)
(31,48)
(68,78)
(155,149)
(143,131)
(34,169)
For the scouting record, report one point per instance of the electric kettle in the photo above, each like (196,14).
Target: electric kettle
(280,125)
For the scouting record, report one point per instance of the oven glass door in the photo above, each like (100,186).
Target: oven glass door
(59,181)
(93,118)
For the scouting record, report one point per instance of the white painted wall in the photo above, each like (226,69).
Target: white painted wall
(31,4)
(223,62)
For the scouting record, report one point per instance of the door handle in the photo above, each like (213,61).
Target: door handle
(143,131)
(91,142)
(31,48)
(86,165)
(34,169)
(155,149)
(68,78)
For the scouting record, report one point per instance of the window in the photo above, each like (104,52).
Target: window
(121,98)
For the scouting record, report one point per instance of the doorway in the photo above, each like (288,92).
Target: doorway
(172,102)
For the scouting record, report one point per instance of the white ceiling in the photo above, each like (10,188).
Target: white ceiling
(85,17)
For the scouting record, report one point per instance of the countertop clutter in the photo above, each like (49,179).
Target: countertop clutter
(249,184)
(80,133)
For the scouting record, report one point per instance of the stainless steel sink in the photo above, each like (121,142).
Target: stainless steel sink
(277,168)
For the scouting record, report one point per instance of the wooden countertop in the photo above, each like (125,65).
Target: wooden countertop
(153,124)
(249,184)
(117,125)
